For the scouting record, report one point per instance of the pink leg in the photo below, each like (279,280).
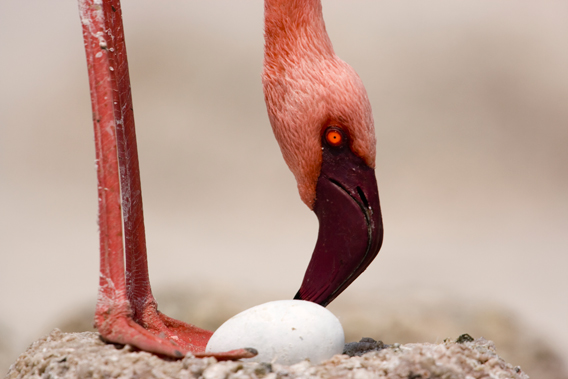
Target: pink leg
(126,309)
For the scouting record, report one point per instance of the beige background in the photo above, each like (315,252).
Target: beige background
(470,102)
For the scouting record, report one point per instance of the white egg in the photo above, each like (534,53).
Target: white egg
(283,331)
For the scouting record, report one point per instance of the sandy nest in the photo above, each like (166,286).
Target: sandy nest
(84,355)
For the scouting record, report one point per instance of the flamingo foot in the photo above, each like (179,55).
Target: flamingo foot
(159,334)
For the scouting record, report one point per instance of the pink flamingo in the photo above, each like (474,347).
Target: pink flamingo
(322,120)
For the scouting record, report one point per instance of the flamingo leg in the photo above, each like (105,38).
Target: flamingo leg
(126,310)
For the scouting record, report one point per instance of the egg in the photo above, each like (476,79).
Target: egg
(283,331)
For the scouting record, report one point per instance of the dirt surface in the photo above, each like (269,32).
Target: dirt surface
(423,317)
(84,355)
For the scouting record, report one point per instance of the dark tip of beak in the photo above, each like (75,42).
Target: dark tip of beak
(350,225)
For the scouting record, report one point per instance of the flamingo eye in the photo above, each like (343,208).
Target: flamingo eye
(334,136)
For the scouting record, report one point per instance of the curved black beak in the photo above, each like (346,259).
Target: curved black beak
(350,225)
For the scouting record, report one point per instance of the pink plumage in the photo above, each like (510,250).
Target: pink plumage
(307,88)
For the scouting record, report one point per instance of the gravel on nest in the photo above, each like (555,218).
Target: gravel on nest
(85,355)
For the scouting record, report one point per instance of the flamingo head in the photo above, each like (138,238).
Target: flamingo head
(322,120)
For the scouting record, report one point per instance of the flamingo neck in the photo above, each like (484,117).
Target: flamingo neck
(295,30)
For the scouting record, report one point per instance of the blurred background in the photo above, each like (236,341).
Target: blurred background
(470,104)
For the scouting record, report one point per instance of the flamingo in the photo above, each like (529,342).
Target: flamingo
(322,120)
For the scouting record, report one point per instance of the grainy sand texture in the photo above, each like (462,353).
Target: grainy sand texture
(84,355)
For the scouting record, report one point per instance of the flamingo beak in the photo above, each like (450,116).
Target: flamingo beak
(350,225)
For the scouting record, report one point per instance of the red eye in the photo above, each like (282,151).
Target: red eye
(334,137)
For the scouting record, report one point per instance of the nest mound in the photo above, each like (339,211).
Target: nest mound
(85,355)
